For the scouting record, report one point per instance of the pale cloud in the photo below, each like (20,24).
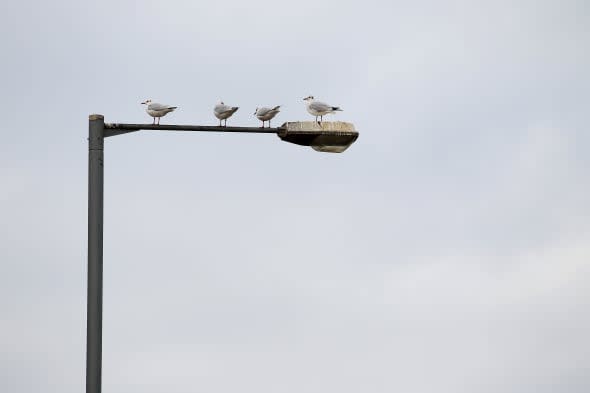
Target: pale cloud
(445,251)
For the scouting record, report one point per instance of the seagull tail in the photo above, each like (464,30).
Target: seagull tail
(336,108)
(172,107)
(276,108)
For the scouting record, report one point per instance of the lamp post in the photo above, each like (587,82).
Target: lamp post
(325,137)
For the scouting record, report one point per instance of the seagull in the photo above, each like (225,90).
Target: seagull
(157,110)
(317,108)
(222,112)
(265,114)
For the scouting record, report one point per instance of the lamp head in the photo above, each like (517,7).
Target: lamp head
(327,137)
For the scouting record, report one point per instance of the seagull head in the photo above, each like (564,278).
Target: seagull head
(146,102)
(308,98)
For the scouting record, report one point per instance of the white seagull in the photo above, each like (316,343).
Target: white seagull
(222,112)
(265,114)
(318,108)
(156,110)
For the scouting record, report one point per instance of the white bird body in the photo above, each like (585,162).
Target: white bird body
(157,110)
(318,108)
(223,112)
(266,114)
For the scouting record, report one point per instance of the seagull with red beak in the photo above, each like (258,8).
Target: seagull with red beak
(156,110)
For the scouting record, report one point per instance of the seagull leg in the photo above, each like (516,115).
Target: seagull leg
(268,123)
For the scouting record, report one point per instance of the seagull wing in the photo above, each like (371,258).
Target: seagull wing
(154,106)
(262,111)
(320,106)
(222,108)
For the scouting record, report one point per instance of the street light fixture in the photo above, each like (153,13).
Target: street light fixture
(334,137)
(329,137)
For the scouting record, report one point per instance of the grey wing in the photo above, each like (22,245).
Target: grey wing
(154,106)
(262,111)
(320,106)
(221,108)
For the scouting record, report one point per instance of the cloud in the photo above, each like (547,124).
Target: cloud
(445,251)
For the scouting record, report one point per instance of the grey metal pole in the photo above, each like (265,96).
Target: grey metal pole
(95,231)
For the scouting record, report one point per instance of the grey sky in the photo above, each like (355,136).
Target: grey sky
(448,250)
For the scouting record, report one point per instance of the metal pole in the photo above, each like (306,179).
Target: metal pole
(95,231)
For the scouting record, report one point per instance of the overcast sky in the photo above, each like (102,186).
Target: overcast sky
(448,250)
